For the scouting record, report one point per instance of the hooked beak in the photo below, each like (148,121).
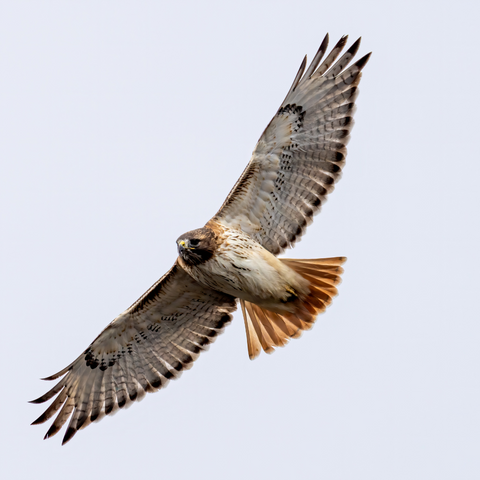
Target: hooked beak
(181,247)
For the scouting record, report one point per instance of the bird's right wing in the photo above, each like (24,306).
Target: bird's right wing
(140,351)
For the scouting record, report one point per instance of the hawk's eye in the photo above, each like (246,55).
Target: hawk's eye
(194,243)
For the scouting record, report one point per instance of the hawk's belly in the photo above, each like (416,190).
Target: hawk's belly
(244,269)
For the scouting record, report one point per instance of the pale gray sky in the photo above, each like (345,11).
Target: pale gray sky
(125,124)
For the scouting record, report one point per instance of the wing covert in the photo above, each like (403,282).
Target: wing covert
(301,153)
(153,341)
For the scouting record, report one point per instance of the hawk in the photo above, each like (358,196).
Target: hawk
(234,257)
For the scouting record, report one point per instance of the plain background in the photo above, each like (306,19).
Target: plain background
(125,124)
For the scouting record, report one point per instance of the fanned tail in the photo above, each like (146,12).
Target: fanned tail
(266,330)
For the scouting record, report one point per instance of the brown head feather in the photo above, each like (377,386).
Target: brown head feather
(197,246)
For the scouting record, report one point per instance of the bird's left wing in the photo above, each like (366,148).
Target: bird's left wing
(140,351)
(300,155)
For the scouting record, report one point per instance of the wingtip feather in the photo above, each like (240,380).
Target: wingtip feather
(53,430)
(363,61)
(70,433)
(355,46)
(343,40)
(58,374)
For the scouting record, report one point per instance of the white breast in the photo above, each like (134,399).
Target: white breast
(243,268)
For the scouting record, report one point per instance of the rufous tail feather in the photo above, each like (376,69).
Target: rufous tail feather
(266,330)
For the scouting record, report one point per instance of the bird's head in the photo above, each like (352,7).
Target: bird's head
(197,246)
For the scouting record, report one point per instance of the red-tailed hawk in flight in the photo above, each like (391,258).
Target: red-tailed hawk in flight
(294,166)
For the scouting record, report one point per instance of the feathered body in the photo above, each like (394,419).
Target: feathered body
(241,267)
(294,166)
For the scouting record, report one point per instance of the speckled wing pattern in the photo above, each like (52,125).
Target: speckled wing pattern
(301,153)
(152,342)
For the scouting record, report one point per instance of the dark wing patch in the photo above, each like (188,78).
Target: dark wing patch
(149,344)
(300,155)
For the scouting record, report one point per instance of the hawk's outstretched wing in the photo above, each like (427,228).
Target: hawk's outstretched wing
(300,155)
(140,351)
